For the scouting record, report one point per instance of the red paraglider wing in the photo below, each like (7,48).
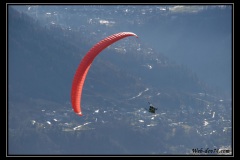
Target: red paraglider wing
(84,66)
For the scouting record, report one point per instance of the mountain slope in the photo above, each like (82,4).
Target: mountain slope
(41,65)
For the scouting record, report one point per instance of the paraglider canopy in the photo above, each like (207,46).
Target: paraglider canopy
(85,64)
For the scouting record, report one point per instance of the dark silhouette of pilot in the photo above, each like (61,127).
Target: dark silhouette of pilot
(152,109)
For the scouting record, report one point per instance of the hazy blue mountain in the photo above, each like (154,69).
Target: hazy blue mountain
(42,58)
(199,37)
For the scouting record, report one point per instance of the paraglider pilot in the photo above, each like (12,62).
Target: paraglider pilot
(152,109)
